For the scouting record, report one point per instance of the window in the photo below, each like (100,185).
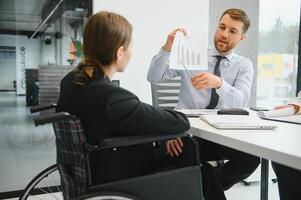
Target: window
(278,51)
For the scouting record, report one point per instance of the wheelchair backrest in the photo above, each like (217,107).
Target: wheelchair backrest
(71,158)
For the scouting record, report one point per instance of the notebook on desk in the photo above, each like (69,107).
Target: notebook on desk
(237,122)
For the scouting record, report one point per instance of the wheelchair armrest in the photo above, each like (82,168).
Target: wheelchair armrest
(35,109)
(44,119)
(132,140)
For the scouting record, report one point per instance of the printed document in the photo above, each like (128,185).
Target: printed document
(189,52)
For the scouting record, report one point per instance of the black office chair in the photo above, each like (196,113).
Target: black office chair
(76,158)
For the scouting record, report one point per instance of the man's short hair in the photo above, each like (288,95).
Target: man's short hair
(240,15)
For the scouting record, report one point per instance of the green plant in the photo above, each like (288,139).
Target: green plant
(78,46)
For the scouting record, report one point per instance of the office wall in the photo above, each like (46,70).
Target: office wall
(27,56)
(248,47)
(152,21)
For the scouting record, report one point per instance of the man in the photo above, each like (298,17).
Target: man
(227,84)
(289,178)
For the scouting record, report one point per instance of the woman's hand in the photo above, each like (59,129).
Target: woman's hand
(174,147)
(294,107)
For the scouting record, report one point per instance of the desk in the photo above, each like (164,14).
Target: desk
(281,145)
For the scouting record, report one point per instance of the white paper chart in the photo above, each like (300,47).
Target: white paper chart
(189,52)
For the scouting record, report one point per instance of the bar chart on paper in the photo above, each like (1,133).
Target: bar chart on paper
(189,52)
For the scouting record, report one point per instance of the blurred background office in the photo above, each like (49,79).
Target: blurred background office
(40,42)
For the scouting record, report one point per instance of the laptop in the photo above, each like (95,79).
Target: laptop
(238,122)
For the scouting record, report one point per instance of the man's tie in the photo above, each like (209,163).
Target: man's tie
(214,96)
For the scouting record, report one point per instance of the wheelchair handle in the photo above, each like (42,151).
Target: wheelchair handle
(35,109)
(44,119)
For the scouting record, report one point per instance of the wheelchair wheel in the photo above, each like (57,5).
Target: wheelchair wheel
(45,183)
(108,196)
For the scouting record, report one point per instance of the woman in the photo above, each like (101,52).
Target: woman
(107,110)
(295,104)
(289,178)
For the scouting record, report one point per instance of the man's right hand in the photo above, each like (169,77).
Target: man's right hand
(170,38)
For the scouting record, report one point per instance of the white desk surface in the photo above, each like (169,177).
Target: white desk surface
(282,145)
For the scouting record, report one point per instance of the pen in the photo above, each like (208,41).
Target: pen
(188,72)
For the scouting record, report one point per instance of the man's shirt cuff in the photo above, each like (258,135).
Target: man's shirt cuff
(224,89)
(162,52)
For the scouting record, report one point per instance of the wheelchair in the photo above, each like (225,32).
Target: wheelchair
(72,177)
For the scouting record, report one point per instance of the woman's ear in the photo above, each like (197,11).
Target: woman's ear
(119,53)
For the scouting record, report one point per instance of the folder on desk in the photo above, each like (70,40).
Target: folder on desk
(198,112)
(294,119)
(237,122)
(282,115)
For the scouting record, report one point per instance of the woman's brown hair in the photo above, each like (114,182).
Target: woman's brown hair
(104,33)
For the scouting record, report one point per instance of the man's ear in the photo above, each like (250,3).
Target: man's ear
(243,37)
(119,53)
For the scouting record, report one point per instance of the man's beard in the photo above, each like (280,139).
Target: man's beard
(223,47)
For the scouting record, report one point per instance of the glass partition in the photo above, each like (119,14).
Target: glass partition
(35,36)
(278,51)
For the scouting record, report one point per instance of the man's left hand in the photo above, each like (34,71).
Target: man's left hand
(206,80)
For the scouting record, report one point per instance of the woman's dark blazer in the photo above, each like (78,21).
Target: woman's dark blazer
(107,110)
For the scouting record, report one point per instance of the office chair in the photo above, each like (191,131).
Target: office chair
(166,94)
(76,158)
